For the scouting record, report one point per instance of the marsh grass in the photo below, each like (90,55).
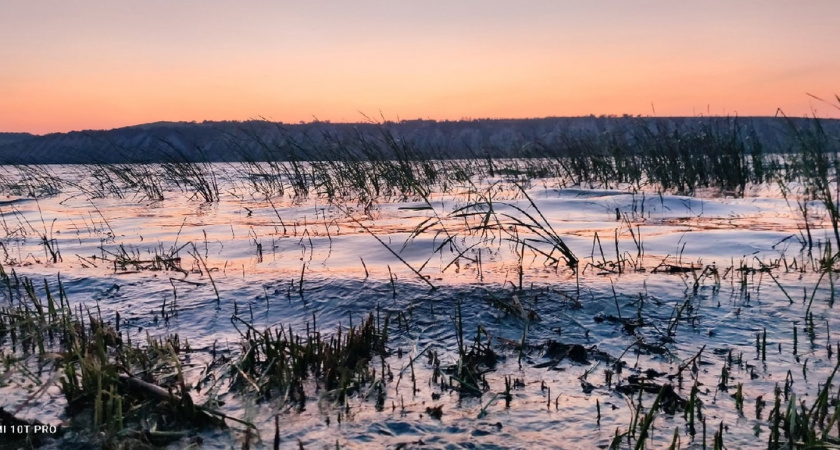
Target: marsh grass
(123,391)
(817,157)
(30,180)
(196,178)
(277,362)
(128,259)
(378,164)
(142,181)
(475,359)
(795,424)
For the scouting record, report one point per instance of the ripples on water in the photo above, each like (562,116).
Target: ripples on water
(283,264)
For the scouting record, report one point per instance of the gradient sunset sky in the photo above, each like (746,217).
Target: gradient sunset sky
(70,65)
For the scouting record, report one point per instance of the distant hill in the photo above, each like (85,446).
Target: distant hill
(258,140)
(11,138)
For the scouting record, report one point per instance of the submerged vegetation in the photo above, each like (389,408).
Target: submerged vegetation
(494,311)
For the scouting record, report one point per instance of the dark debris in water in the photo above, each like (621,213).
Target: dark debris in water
(558,351)
(670,401)
(435,412)
(629,324)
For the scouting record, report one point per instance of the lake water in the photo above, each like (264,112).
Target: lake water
(659,278)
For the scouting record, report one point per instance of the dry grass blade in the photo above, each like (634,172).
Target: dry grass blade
(390,250)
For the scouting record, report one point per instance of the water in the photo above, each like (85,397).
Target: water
(284,261)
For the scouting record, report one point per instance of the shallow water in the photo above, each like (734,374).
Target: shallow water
(283,262)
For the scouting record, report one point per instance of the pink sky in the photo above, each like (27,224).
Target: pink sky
(90,65)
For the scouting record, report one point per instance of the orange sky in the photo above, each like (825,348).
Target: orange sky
(89,65)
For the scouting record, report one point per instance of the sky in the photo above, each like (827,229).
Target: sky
(83,64)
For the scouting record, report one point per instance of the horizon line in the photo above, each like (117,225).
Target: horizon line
(384,121)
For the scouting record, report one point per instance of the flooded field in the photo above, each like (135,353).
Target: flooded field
(233,307)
